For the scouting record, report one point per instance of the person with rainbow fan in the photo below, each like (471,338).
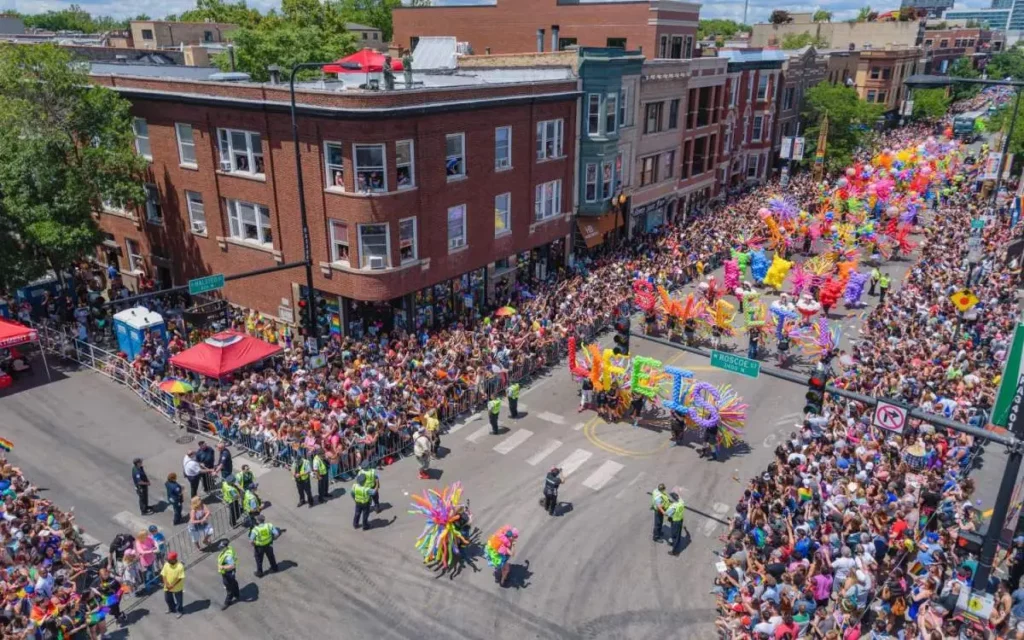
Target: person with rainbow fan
(500,547)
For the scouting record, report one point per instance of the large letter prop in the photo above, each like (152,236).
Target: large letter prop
(639,381)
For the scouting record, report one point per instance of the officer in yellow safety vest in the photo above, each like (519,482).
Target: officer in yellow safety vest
(674,513)
(372,481)
(252,505)
(230,494)
(263,536)
(876,275)
(513,400)
(659,502)
(300,471)
(362,494)
(227,567)
(493,409)
(245,478)
(883,287)
(322,476)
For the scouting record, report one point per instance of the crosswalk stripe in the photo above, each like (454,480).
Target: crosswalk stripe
(517,438)
(548,449)
(479,433)
(458,426)
(578,426)
(547,416)
(603,474)
(574,461)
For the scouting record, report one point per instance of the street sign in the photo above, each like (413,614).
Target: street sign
(1011,376)
(786,148)
(992,166)
(977,223)
(908,108)
(964,299)
(203,285)
(798,148)
(736,364)
(890,417)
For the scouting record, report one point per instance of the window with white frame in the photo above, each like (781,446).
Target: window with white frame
(594,114)
(334,166)
(186,143)
(154,212)
(750,86)
(607,179)
(648,170)
(374,246)
(456,227)
(502,213)
(339,242)
(407,240)
(752,166)
(547,200)
(728,140)
(590,190)
(455,155)
(240,151)
(135,262)
(405,164)
(549,139)
(756,135)
(611,111)
(196,212)
(370,168)
(141,129)
(734,93)
(502,148)
(249,222)
(762,86)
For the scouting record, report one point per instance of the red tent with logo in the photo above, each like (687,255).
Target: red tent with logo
(13,334)
(223,353)
(363,61)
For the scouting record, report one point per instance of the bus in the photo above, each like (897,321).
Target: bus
(965,125)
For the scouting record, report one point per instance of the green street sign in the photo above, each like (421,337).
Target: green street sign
(736,364)
(977,223)
(1008,384)
(208,283)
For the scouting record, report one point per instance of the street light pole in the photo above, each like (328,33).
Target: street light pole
(1006,149)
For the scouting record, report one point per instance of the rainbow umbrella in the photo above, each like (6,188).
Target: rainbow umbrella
(175,386)
(505,311)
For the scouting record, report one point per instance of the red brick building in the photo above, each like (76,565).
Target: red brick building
(660,28)
(422,203)
(750,111)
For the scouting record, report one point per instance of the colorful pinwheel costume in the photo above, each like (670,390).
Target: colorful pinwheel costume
(441,541)
(499,546)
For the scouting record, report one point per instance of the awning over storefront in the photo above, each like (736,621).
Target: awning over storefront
(592,229)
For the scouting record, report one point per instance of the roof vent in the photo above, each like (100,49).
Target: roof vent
(230,76)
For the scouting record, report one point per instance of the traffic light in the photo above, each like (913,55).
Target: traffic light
(323,315)
(969,542)
(303,314)
(816,394)
(621,338)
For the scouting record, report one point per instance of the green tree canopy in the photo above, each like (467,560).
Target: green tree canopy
(822,16)
(74,18)
(284,43)
(65,146)
(720,27)
(849,119)
(1000,120)
(930,104)
(219,11)
(864,15)
(1007,64)
(963,68)
(801,40)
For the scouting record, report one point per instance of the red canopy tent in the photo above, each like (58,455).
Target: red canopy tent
(13,334)
(223,353)
(363,61)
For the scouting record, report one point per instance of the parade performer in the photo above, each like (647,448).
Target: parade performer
(441,542)
(776,274)
(829,294)
(732,275)
(807,307)
(718,413)
(718,322)
(818,340)
(742,260)
(758,265)
(854,289)
(799,280)
(500,547)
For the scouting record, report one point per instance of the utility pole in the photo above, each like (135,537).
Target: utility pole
(746,3)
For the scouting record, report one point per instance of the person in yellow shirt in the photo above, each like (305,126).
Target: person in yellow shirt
(433,426)
(173,577)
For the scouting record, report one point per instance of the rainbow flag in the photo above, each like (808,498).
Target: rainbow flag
(6,444)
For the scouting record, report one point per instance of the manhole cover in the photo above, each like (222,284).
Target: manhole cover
(185,439)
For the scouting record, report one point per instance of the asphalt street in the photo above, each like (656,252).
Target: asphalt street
(591,571)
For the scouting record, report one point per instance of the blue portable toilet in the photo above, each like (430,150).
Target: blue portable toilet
(131,326)
(33,292)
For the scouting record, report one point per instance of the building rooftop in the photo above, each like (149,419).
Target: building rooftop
(156,69)
(753,55)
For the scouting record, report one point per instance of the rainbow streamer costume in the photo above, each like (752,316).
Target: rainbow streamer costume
(499,546)
(440,543)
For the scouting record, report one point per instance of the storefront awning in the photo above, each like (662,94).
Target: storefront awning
(592,229)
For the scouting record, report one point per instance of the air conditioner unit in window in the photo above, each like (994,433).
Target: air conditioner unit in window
(198,227)
(456,244)
(377,262)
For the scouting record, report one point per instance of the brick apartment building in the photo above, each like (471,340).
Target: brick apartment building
(802,70)
(423,203)
(658,28)
(754,80)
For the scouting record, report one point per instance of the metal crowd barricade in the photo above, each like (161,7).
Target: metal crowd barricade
(220,519)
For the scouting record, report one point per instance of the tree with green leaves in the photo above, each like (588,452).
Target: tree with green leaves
(822,16)
(66,145)
(780,16)
(930,104)
(1000,121)
(720,27)
(238,13)
(375,13)
(74,18)
(801,40)
(849,119)
(864,15)
(963,68)
(1007,64)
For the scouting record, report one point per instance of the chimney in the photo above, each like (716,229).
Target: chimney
(275,74)
(540,41)
(554,37)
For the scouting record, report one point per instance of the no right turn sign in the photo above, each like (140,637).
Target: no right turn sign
(890,417)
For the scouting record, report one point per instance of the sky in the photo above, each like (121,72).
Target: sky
(758,10)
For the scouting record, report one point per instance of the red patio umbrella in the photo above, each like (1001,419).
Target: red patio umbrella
(363,61)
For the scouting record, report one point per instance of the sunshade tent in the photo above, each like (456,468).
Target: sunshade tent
(13,334)
(223,353)
(362,61)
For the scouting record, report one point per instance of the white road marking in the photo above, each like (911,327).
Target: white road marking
(551,417)
(578,426)
(518,437)
(131,522)
(632,482)
(479,433)
(548,449)
(574,461)
(603,475)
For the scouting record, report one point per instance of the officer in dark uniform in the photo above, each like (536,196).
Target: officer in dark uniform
(141,482)
(551,483)
(205,457)
(175,496)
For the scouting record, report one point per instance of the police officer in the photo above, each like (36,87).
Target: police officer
(175,495)
(230,494)
(372,481)
(251,505)
(493,409)
(513,400)
(362,495)
(322,476)
(875,277)
(141,482)
(300,471)
(263,536)
(205,457)
(551,483)
(659,501)
(227,567)
(883,287)
(245,478)
(675,513)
